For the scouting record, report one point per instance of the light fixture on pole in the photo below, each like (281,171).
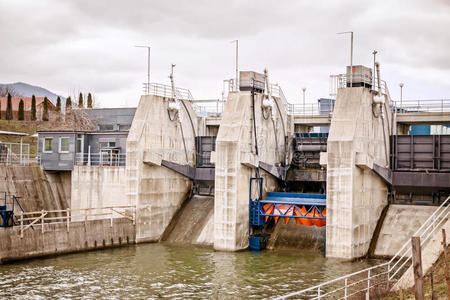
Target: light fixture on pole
(401,94)
(147,87)
(373,75)
(304,110)
(351,55)
(237,64)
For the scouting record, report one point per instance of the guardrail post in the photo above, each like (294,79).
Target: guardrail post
(42,221)
(368,285)
(21,224)
(346,288)
(318,292)
(68,217)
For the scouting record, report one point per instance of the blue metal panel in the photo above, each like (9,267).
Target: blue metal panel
(280,195)
(420,130)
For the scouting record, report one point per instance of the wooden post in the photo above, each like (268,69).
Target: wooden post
(417,267)
(434,295)
(447,271)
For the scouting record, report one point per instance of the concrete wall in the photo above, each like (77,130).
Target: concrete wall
(98,186)
(430,254)
(193,223)
(235,161)
(400,223)
(157,191)
(355,194)
(38,190)
(56,239)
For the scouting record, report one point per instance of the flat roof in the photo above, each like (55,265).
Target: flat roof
(13,133)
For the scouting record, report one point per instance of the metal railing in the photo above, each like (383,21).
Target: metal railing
(417,106)
(101,159)
(15,154)
(381,277)
(38,219)
(207,108)
(164,90)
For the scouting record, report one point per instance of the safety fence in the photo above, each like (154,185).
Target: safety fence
(39,219)
(106,158)
(15,154)
(418,106)
(209,107)
(164,90)
(380,278)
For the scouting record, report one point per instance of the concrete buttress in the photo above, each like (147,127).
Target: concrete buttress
(236,161)
(156,135)
(355,194)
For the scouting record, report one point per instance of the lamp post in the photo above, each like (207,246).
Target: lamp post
(374,61)
(237,63)
(351,55)
(401,94)
(148,68)
(304,109)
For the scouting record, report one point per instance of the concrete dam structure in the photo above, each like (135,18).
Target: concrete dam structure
(256,174)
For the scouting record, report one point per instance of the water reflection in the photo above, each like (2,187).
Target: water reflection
(153,271)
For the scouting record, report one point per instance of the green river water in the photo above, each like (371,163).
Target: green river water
(153,271)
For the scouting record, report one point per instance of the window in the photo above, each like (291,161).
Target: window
(79,148)
(64,144)
(48,144)
(106,127)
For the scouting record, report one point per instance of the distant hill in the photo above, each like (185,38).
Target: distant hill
(27,90)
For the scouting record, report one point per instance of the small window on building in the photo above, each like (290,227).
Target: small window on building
(106,127)
(124,127)
(48,145)
(64,144)
(79,148)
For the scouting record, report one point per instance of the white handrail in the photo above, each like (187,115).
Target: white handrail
(425,232)
(43,215)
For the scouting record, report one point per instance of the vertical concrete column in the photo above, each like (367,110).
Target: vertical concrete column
(157,191)
(236,161)
(355,194)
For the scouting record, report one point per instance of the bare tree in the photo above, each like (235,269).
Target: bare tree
(5,90)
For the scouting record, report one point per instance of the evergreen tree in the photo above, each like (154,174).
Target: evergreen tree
(80,101)
(89,101)
(21,111)
(58,104)
(33,108)
(68,104)
(9,114)
(45,111)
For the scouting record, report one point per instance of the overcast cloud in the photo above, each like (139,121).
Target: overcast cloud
(71,46)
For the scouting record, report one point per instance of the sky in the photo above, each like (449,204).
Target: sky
(89,46)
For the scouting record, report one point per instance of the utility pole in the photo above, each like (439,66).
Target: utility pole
(351,55)
(147,87)
(237,63)
(304,109)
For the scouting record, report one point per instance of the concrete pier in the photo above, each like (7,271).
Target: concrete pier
(236,160)
(355,194)
(157,191)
